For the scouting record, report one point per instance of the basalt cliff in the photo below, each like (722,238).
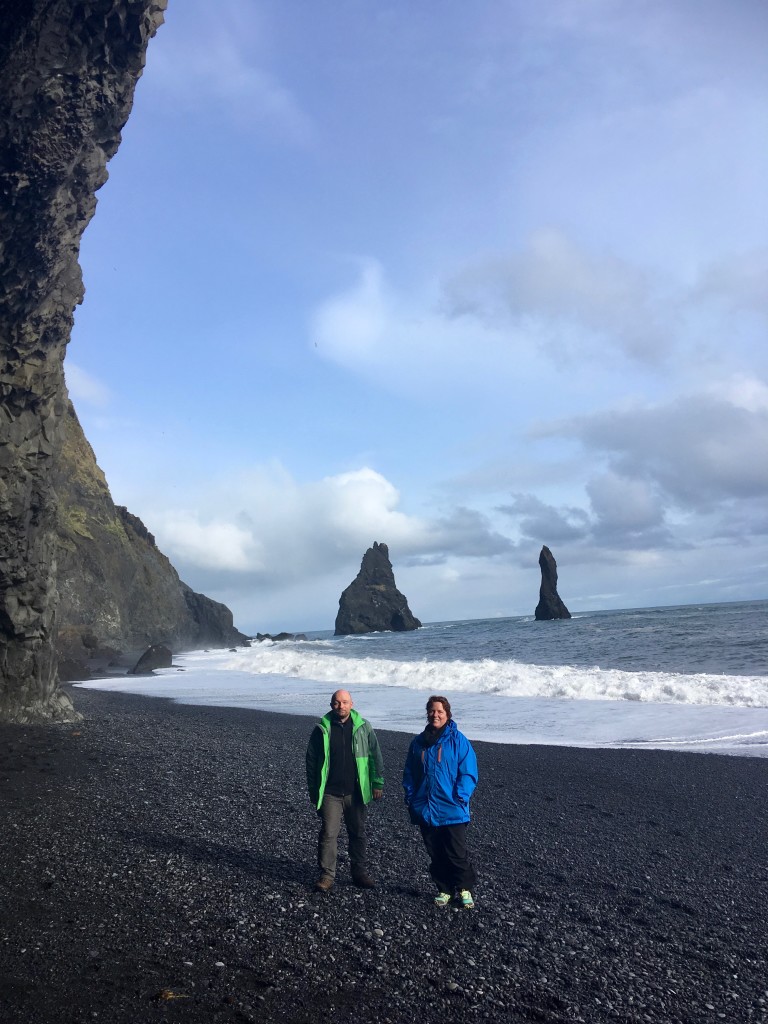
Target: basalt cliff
(68,69)
(372,603)
(550,605)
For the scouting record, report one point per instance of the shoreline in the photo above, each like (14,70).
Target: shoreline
(161,848)
(579,723)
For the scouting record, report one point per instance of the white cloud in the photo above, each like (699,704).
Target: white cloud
(351,328)
(620,520)
(222,70)
(740,281)
(630,516)
(688,473)
(503,323)
(698,449)
(407,343)
(545,523)
(624,505)
(357,505)
(600,297)
(742,391)
(214,544)
(84,387)
(278,531)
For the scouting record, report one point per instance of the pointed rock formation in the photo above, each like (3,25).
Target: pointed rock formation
(550,605)
(372,603)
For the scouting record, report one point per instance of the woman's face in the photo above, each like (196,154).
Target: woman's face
(436,715)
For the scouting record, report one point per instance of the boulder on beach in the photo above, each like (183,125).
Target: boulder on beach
(156,656)
(372,603)
(550,605)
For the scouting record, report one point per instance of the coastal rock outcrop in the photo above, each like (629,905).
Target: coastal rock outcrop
(68,69)
(372,603)
(276,637)
(550,605)
(118,593)
(156,656)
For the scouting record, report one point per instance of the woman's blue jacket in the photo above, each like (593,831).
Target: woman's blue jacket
(439,780)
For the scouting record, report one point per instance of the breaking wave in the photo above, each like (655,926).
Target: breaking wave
(317,662)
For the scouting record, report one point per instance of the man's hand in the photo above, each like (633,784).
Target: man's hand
(377,794)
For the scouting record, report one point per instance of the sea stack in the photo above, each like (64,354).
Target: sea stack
(372,603)
(550,605)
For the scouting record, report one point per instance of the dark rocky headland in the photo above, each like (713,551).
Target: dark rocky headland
(158,863)
(372,603)
(551,605)
(118,593)
(81,581)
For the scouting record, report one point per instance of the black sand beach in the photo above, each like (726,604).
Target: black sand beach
(158,862)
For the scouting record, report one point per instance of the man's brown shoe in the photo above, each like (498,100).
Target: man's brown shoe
(324,883)
(363,881)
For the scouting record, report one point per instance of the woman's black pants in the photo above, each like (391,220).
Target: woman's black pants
(450,867)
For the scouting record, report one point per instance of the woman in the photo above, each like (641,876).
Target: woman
(439,777)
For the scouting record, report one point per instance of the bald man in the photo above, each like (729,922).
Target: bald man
(345,771)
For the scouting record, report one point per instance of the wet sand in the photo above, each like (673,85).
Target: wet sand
(158,863)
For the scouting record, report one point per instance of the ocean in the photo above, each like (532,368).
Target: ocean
(693,677)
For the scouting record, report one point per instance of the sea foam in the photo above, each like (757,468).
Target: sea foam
(316,662)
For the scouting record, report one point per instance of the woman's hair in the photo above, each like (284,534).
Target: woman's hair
(434,699)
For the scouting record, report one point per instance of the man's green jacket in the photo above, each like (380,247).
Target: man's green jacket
(368,760)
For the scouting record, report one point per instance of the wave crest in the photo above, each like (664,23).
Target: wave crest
(506,678)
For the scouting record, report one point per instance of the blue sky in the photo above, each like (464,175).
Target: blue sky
(463,277)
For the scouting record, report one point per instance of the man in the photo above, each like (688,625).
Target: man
(345,771)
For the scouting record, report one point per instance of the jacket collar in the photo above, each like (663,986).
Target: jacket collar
(449,730)
(357,720)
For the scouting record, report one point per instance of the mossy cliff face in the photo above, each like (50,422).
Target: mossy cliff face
(67,75)
(118,592)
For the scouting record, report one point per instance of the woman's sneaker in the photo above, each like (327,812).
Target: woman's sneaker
(465,898)
(442,899)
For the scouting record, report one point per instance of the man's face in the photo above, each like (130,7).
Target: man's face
(436,715)
(341,705)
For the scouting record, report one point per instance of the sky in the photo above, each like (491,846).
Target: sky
(465,277)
